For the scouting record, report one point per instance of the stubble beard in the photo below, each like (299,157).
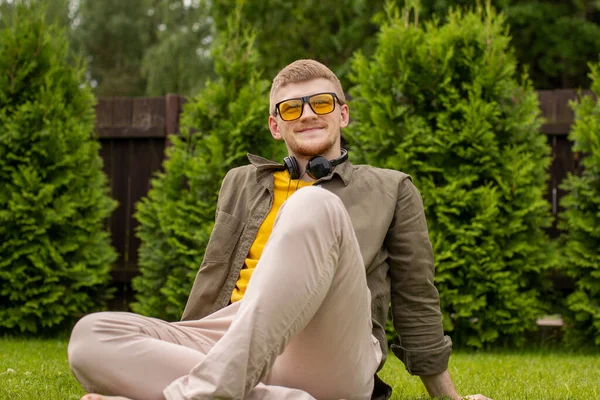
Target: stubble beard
(312,149)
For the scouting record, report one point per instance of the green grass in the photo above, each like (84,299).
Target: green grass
(503,375)
(38,369)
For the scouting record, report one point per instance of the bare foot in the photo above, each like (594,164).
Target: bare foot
(94,396)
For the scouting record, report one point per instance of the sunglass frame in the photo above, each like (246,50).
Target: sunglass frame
(305,100)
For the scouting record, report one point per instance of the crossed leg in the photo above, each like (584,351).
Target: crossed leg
(136,356)
(302,331)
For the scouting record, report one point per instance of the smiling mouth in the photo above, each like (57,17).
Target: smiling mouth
(314,128)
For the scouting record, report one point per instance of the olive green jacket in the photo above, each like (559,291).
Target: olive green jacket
(387,214)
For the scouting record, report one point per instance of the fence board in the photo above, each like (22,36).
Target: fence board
(120,189)
(547,106)
(122,112)
(129,132)
(173,109)
(105,154)
(556,128)
(563,163)
(149,112)
(104,109)
(564,113)
(142,167)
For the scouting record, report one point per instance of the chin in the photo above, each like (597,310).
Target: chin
(312,149)
(312,146)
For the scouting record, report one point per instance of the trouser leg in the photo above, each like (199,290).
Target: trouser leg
(130,355)
(135,356)
(308,295)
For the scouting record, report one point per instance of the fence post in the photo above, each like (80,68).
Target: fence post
(173,105)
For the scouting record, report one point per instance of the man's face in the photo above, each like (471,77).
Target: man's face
(311,134)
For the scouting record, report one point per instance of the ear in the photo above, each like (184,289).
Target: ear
(344,115)
(274,128)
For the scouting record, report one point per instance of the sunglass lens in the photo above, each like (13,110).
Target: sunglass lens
(291,109)
(322,103)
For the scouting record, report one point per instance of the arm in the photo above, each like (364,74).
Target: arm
(415,301)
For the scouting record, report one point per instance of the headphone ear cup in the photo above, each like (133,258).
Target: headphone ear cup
(292,166)
(318,167)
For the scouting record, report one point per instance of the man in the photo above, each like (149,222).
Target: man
(292,295)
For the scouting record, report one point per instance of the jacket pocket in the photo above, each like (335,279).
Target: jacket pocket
(223,238)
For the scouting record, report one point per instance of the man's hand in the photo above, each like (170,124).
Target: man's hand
(441,385)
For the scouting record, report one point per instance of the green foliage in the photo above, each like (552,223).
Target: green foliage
(179,61)
(555,39)
(55,254)
(581,221)
(113,35)
(151,47)
(224,122)
(327,31)
(145,47)
(55,11)
(552,39)
(443,103)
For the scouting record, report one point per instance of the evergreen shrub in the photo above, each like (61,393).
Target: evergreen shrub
(581,222)
(220,126)
(55,253)
(443,103)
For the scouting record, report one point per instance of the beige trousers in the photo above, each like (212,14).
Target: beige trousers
(302,330)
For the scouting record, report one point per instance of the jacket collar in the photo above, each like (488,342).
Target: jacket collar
(265,168)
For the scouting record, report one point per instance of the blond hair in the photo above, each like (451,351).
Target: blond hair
(304,70)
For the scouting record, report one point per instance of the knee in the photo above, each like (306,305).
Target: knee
(314,201)
(83,340)
(313,211)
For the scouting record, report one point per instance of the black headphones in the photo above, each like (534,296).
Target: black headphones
(317,167)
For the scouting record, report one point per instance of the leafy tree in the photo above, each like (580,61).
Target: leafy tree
(56,12)
(113,35)
(327,31)
(55,254)
(444,104)
(145,47)
(555,39)
(179,61)
(158,46)
(581,221)
(225,121)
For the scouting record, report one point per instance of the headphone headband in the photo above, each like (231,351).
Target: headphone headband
(340,159)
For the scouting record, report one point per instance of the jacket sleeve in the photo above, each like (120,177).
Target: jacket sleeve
(423,348)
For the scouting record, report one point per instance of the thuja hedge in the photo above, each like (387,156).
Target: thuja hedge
(581,222)
(221,125)
(55,254)
(444,104)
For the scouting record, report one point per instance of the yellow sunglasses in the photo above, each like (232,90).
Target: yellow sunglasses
(320,103)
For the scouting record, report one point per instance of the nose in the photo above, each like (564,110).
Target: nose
(307,111)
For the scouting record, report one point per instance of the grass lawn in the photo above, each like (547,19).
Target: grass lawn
(38,369)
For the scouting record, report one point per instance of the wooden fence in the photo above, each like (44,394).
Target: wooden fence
(133,134)
(554,105)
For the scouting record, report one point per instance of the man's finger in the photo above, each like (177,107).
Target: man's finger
(476,397)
